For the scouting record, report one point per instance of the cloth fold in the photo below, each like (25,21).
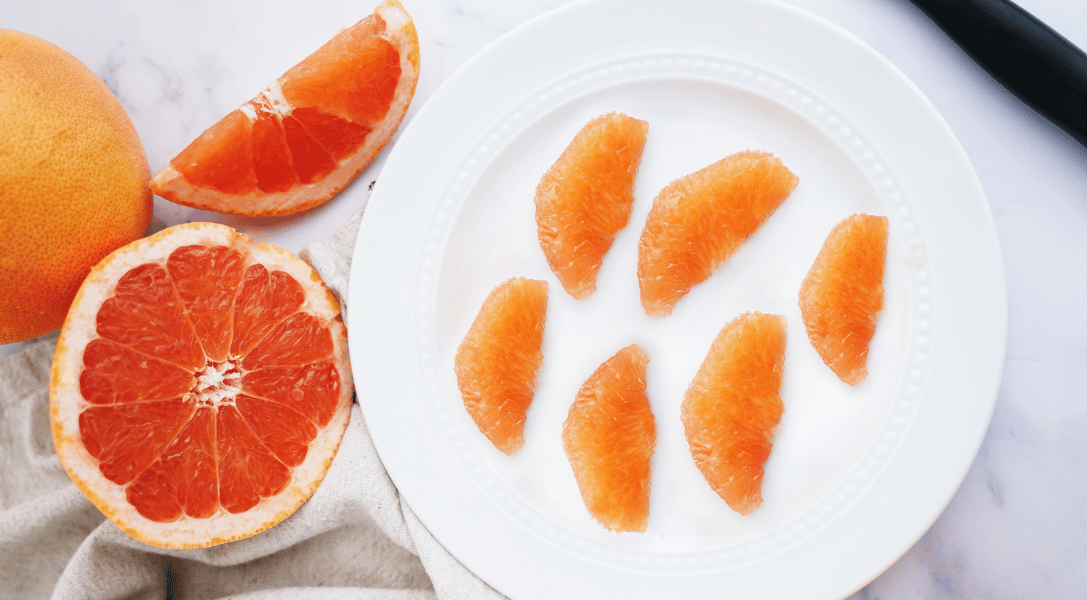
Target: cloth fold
(355,538)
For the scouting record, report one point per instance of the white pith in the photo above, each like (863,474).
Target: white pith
(270,100)
(216,384)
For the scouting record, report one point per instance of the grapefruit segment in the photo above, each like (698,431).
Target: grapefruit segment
(733,406)
(182,433)
(182,482)
(311,132)
(264,300)
(699,220)
(273,164)
(126,439)
(206,281)
(586,196)
(220,159)
(497,361)
(145,314)
(248,471)
(609,438)
(338,137)
(288,433)
(355,75)
(313,390)
(300,339)
(116,374)
(311,162)
(842,294)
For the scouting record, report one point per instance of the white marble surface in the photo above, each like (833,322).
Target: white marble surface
(1017,528)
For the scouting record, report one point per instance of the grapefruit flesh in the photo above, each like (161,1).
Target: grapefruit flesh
(73,182)
(609,437)
(586,196)
(497,361)
(310,133)
(733,406)
(841,297)
(200,387)
(699,220)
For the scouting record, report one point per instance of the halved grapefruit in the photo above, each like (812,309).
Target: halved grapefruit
(733,406)
(699,220)
(842,295)
(609,437)
(498,360)
(200,386)
(311,132)
(586,196)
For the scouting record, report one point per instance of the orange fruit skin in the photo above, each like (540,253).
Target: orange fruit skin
(73,182)
(499,358)
(609,437)
(733,406)
(698,221)
(841,297)
(309,134)
(135,420)
(586,196)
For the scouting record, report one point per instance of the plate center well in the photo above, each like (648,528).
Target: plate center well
(833,439)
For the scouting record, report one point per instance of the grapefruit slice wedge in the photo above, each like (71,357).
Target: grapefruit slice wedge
(497,361)
(841,297)
(733,406)
(301,140)
(609,437)
(200,386)
(586,196)
(699,220)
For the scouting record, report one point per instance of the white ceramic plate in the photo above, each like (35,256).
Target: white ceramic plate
(856,474)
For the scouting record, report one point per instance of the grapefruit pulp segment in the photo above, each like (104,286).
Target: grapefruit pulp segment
(271,154)
(264,300)
(586,197)
(733,406)
(126,439)
(145,314)
(287,432)
(312,390)
(300,339)
(311,132)
(206,281)
(116,374)
(699,220)
(497,361)
(609,437)
(220,159)
(841,297)
(192,455)
(247,469)
(182,481)
(354,75)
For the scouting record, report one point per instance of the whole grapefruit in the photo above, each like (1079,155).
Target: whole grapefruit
(74,182)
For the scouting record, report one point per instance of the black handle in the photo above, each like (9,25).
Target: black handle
(1036,63)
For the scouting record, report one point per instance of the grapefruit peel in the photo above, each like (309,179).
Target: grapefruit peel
(499,358)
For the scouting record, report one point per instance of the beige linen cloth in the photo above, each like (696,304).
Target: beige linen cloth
(354,539)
